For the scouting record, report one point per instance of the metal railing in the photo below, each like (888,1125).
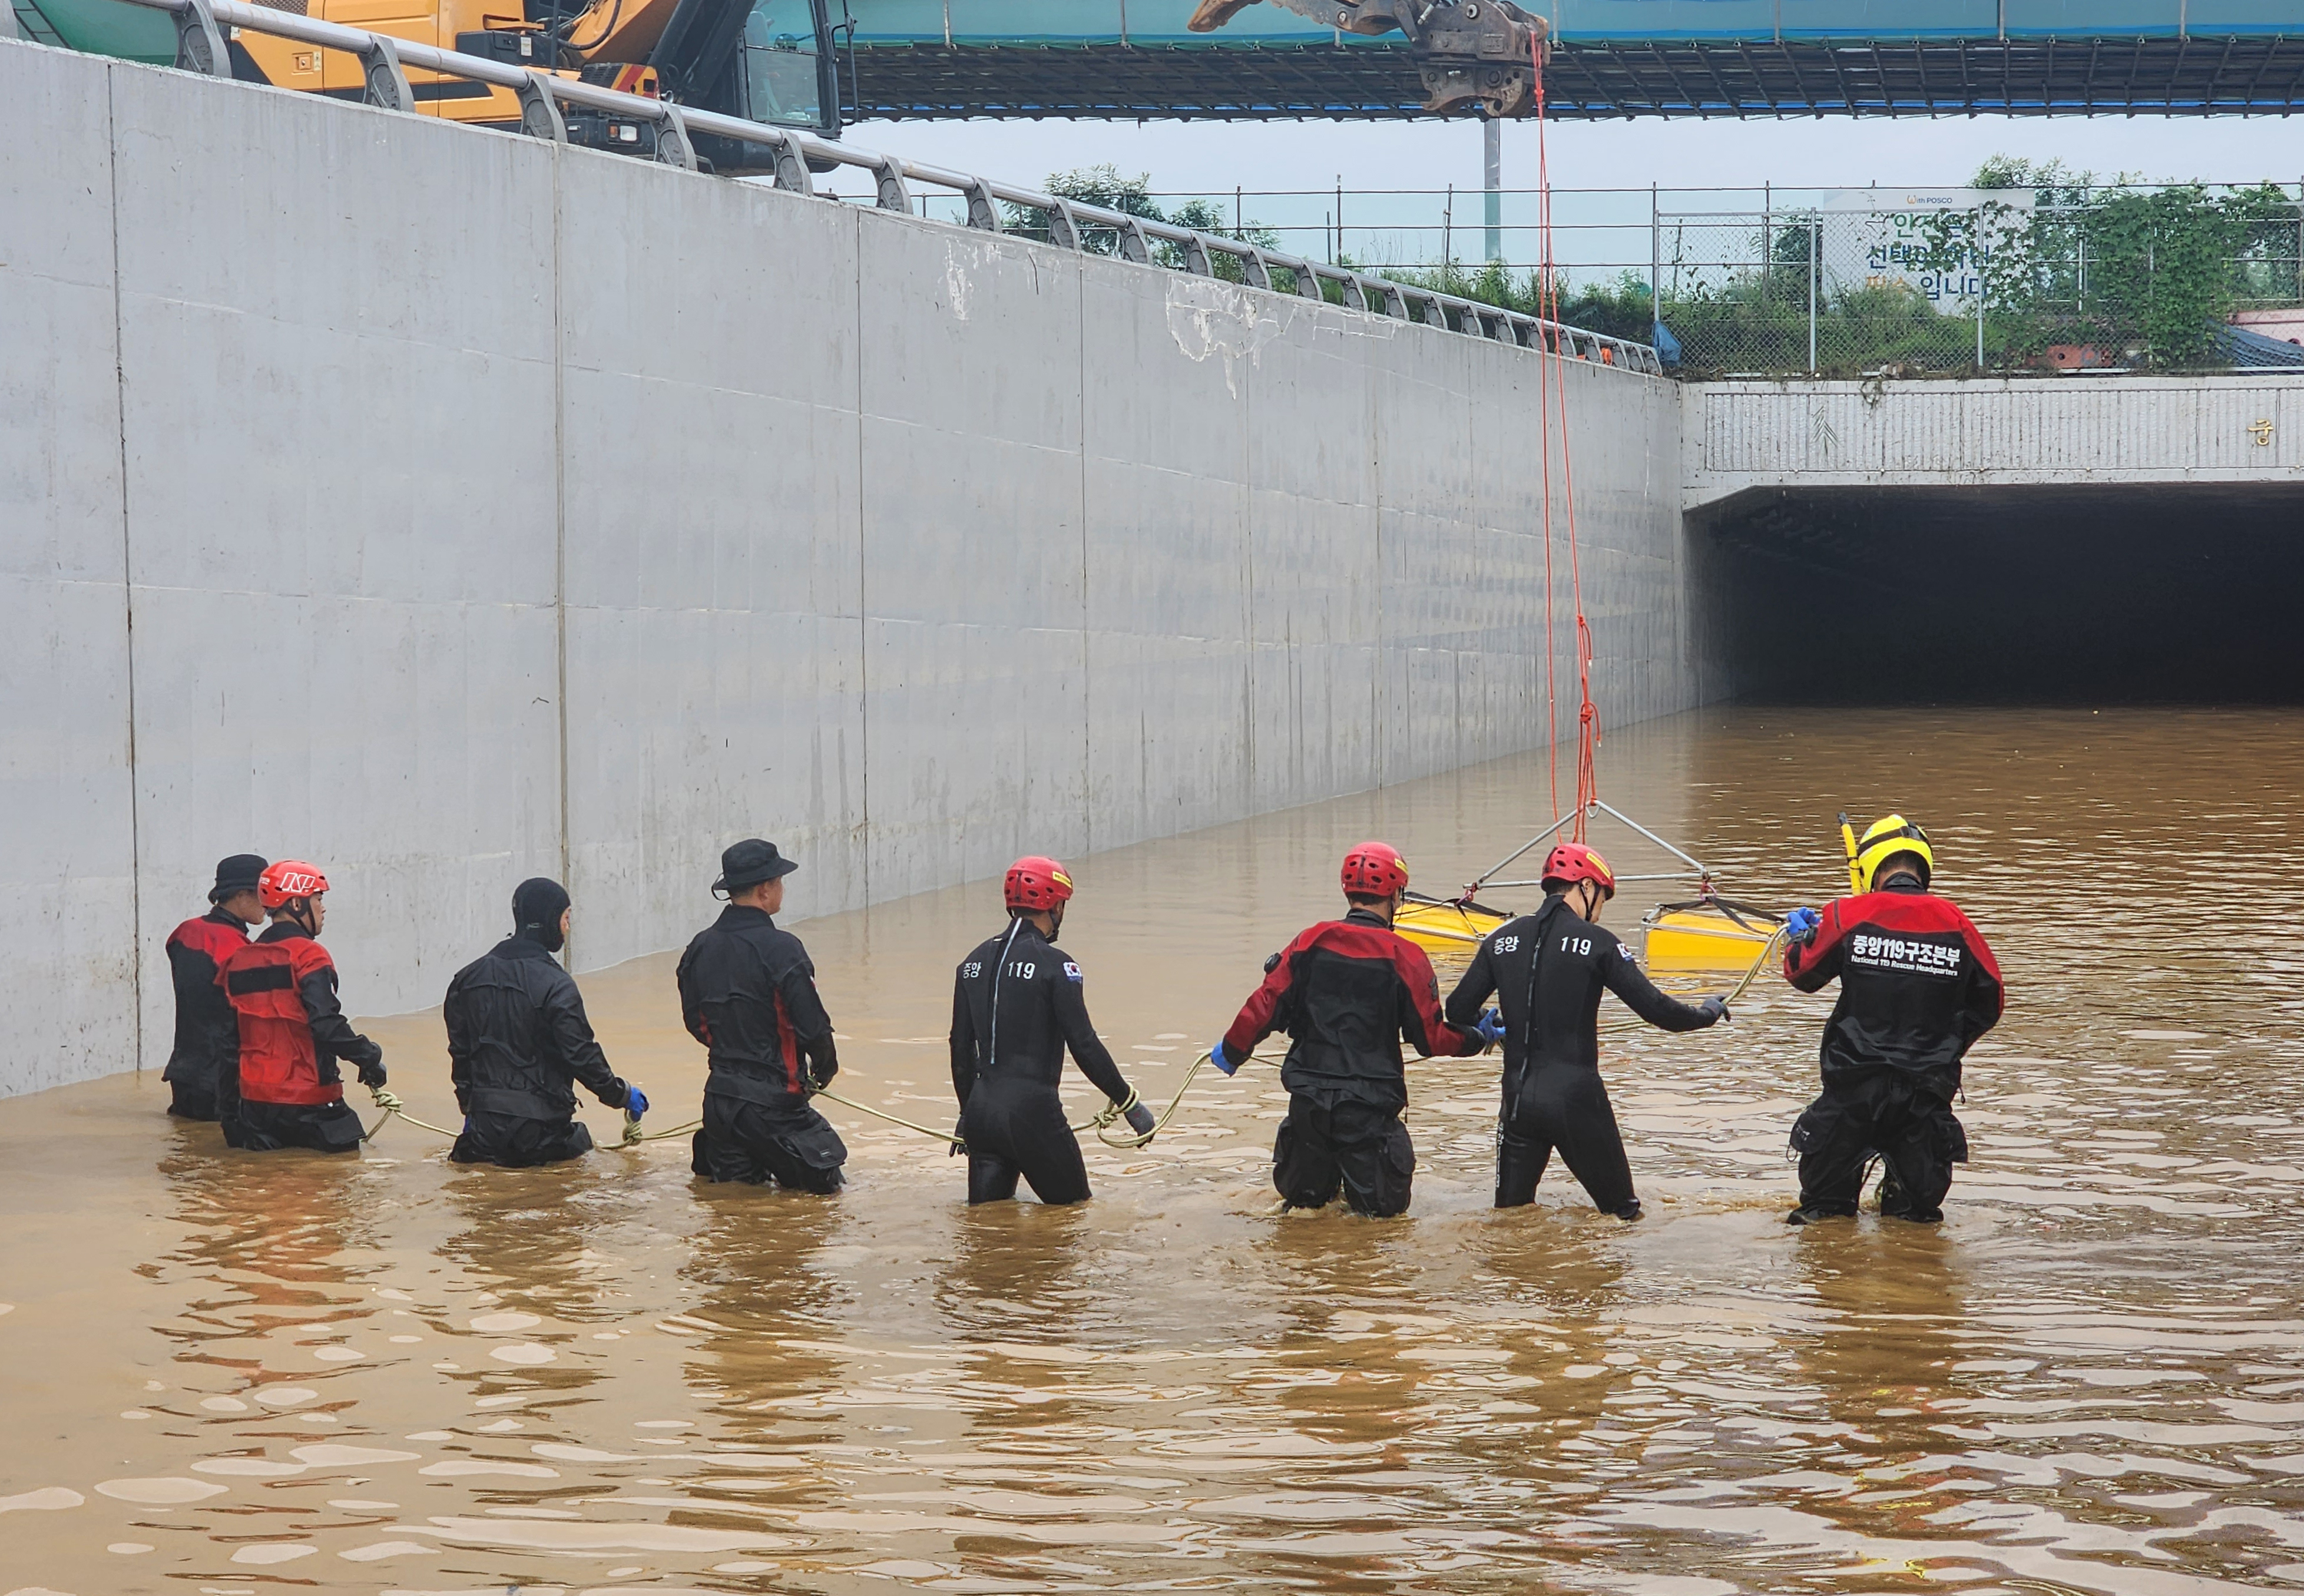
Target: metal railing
(2067,274)
(200,48)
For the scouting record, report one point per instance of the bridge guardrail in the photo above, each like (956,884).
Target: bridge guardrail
(201,47)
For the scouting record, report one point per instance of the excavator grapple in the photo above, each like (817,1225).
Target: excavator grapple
(1470,53)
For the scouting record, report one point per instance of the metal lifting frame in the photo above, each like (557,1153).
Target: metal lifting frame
(1697,867)
(201,25)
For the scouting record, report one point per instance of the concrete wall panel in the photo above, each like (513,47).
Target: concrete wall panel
(67,982)
(493,510)
(711,462)
(338,408)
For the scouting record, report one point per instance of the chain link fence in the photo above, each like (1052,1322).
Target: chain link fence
(2126,278)
(1770,280)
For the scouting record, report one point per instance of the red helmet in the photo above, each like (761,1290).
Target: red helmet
(283,883)
(1572,862)
(1373,869)
(1036,882)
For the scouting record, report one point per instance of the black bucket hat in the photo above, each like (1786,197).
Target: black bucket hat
(751,863)
(239,873)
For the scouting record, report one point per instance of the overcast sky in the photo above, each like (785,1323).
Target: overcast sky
(1836,152)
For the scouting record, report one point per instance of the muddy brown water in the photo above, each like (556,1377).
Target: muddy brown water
(229,1373)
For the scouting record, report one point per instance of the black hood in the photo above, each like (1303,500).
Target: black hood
(536,905)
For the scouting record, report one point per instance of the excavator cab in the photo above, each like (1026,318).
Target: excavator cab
(789,75)
(770,61)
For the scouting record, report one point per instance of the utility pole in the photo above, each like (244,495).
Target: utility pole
(1814,266)
(1492,172)
(1983,284)
(1656,269)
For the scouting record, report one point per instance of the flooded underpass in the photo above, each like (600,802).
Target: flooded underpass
(232,1373)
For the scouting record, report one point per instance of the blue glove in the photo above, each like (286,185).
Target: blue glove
(635,1102)
(1216,1056)
(1714,1010)
(1800,925)
(1491,1028)
(1140,1119)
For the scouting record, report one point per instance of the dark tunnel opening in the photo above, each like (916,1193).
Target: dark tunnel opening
(2156,592)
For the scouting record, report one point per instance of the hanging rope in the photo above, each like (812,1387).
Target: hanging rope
(1550,399)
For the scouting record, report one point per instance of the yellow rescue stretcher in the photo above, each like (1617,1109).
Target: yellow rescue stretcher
(1707,933)
(1439,926)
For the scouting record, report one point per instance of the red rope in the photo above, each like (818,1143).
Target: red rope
(1544,453)
(1588,714)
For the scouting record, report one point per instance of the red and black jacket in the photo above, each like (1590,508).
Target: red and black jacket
(747,993)
(292,1032)
(1917,986)
(1347,992)
(207,1035)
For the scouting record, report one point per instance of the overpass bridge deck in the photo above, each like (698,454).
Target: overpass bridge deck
(2076,432)
(1701,58)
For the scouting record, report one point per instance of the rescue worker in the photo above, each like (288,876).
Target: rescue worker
(1017,1004)
(1917,986)
(747,993)
(1347,991)
(285,1090)
(1548,969)
(518,1041)
(207,1037)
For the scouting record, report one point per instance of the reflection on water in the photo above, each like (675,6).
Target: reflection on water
(227,1372)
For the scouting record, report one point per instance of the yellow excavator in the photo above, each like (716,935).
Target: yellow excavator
(769,61)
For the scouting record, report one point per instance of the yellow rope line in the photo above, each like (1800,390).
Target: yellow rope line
(389,1102)
(946,1137)
(1100,1121)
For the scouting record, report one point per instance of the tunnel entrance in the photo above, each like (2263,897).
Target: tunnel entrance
(2158,592)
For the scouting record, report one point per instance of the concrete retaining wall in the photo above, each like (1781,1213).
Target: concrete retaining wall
(445,508)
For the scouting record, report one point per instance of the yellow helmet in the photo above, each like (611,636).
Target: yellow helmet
(1885,839)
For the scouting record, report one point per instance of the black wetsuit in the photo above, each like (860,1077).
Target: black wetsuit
(518,1041)
(1347,992)
(747,993)
(1017,1004)
(1547,971)
(207,1034)
(1917,986)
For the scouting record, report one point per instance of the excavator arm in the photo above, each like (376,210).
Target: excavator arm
(1469,53)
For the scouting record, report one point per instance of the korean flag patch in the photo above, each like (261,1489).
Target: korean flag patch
(1071,971)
